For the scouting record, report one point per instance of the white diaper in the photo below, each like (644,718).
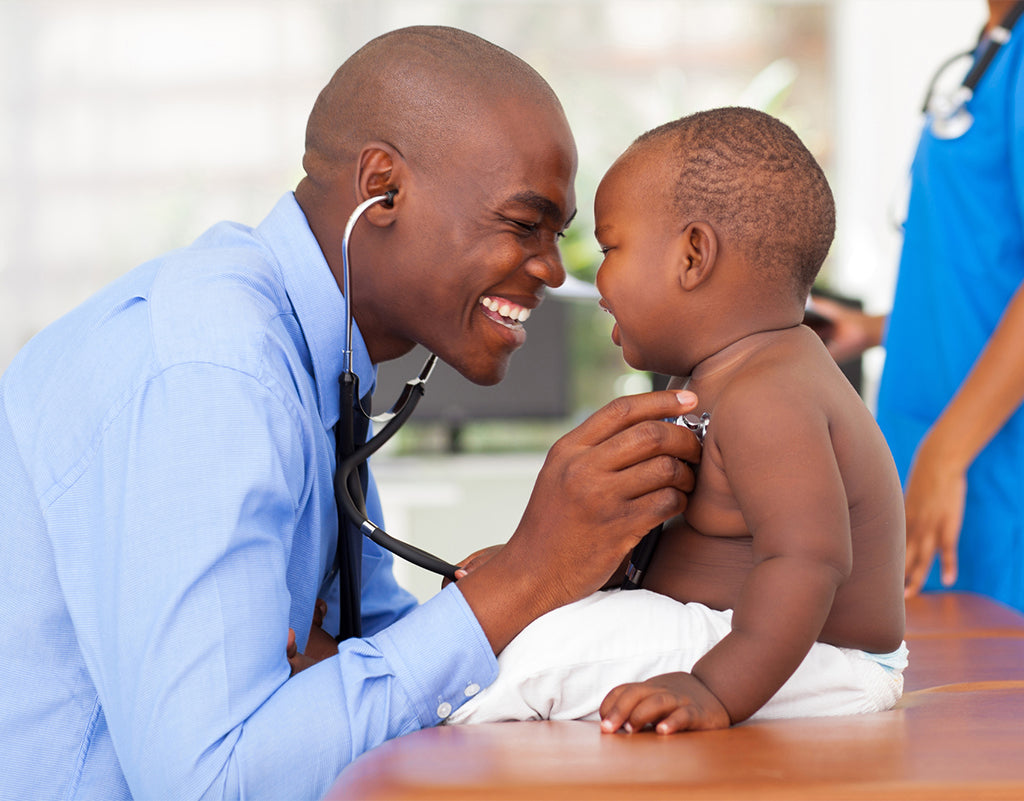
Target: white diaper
(562,665)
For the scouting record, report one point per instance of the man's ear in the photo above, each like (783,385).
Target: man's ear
(381,170)
(699,254)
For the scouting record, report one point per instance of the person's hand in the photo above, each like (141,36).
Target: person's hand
(849,331)
(472,562)
(671,702)
(935,493)
(602,487)
(319,646)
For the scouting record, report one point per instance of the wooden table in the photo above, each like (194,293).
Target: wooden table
(958,733)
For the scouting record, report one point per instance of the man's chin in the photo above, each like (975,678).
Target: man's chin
(484,373)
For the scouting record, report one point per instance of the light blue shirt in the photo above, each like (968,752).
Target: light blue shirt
(167,513)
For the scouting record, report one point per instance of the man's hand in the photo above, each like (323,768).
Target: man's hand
(472,562)
(602,487)
(319,646)
(671,702)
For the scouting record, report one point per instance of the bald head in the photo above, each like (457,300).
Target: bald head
(418,89)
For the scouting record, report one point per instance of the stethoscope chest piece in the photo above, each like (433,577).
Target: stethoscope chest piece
(698,425)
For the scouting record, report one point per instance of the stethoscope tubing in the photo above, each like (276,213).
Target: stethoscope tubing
(411,394)
(954,120)
(349,402)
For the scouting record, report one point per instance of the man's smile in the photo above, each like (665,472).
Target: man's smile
(505,312)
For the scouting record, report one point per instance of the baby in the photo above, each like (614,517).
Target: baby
(780,593)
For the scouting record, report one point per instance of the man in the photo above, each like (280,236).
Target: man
(168,450)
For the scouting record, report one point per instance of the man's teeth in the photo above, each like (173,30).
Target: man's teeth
(518,314)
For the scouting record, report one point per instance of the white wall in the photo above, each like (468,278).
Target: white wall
(885,51)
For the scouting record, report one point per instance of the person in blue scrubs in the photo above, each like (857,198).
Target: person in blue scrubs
(952,388)
(167,511)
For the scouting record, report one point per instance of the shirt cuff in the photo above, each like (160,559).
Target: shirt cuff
(440,654)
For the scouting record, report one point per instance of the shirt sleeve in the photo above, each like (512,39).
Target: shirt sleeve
(182,605)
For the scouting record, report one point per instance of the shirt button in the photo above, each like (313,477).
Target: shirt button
(471,690)
(444,709)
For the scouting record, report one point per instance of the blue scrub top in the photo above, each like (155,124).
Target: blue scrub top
(962,261)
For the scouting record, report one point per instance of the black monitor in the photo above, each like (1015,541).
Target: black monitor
(536,385)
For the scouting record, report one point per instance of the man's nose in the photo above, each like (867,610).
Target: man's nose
(547,265)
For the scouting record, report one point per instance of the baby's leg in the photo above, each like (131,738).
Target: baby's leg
(839,681)
(562,665)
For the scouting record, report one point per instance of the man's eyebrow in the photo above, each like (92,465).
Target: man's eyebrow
(545,206)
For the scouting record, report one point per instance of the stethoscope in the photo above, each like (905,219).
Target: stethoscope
(643,553)
(947,112)
(348,488)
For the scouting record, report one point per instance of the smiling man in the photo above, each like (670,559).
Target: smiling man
(167,453)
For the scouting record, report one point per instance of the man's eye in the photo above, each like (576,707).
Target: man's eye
(526,227)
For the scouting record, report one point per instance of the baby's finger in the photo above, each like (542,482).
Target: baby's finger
(616,707)
(680,719)
(655,707)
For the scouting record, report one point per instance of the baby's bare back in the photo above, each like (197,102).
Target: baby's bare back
(708,556)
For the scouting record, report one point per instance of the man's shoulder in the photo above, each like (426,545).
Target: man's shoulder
(217,301)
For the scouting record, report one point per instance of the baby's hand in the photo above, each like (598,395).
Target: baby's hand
(671,702)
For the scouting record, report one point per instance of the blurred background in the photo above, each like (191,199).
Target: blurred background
(127,128)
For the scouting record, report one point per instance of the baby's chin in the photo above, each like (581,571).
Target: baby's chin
(638,361)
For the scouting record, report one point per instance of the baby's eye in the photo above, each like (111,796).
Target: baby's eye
(604,250)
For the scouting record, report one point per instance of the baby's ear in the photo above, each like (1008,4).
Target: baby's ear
(698,254)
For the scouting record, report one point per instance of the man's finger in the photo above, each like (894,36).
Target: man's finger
(625,412)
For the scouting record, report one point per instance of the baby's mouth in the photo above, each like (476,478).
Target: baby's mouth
(509,314)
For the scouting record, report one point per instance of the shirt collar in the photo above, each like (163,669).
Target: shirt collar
(317,302)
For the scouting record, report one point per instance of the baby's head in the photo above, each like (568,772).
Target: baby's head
(719,221)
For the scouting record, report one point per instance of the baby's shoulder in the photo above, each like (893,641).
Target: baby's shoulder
(786,389)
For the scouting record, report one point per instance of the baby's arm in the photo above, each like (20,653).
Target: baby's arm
(774,446)
(776,450)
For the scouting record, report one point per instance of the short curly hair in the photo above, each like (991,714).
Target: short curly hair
(749,176)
